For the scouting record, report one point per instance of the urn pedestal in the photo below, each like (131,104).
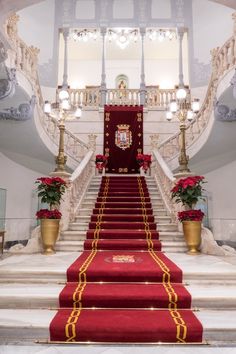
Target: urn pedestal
(49,234)
(192,235)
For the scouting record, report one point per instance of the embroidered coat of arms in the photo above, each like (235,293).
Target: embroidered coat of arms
(123,136)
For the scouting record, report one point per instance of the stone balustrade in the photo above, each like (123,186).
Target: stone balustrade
(91,97)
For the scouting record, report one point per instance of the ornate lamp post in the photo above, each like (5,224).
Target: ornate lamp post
(182,108)
(63,109)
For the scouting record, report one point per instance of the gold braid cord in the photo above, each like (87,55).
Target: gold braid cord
(181,328)
(70,328)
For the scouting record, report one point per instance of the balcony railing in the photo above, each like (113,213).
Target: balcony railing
(91,97)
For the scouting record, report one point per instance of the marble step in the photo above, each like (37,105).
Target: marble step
(83,225)
(166,232)
(153,197)
(78,246)
(87,218)
(88,212)
(199,269)
(32,296)
(162,225)
(89,204)
(28,325)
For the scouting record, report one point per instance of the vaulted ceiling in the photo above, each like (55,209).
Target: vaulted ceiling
(7,6)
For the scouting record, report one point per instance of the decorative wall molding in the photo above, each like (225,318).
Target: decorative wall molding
(8,85)
(3,53)
(224,113)
(23,112)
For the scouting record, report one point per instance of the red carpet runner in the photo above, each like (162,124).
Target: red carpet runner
(122,288)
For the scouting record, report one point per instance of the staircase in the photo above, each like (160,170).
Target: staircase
(30,284)
(73,239)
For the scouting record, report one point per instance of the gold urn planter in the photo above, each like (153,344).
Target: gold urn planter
(192,235)
(49,234)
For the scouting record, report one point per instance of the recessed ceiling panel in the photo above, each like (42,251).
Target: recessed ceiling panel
(85,9)
(123,9)
(161,9)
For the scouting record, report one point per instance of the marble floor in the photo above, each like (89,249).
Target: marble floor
(28,278)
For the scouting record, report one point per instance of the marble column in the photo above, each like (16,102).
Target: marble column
(103,88)
(65,32)
(142,76)
(181,31)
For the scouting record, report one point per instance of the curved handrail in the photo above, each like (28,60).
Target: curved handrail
(223,60)
(25,59)
(165,180)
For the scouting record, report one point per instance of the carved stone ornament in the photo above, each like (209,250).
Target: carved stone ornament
(3,53)
(22,113)
(8,85)
(154,141)
(12,25)
(224,113)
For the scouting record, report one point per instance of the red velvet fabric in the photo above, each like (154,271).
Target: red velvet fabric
(119,233)
(123,160)
(125,326)
(132,295)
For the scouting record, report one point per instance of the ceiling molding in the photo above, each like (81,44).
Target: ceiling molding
(228,3)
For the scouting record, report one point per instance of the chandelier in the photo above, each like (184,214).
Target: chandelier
(123,36)
(161,34)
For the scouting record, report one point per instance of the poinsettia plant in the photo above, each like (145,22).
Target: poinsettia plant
(48,214)
(101,161)
(188,190)
(50,191)
(190,215)
(144,161)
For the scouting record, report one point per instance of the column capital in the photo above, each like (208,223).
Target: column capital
(142,31)
(103,31)
(181,31)
(65,31)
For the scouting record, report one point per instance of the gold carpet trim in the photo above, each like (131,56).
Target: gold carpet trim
(70,328)
(145,216)
(100,215)
(181,328)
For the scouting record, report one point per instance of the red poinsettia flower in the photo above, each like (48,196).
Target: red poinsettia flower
(188,190)
(48,214)
(190,215)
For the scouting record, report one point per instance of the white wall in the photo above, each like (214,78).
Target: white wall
(21,201)
(222,201)
(157,72)
(212,26)
(36,27)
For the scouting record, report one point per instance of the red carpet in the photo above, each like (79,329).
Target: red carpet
(122,289)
